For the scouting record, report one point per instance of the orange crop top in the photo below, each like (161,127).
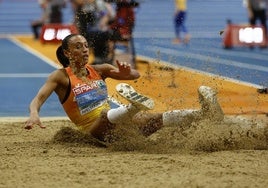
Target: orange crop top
(86,100)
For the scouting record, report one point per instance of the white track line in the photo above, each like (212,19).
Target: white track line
(34,52)
(24,75)
(148,59)
(209,59)
(47,60)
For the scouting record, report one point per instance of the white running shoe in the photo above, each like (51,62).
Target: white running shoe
(137,99)
(209,104)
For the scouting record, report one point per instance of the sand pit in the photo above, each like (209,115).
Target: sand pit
(232,153)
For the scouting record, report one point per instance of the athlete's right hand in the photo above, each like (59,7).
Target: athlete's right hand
(33,121)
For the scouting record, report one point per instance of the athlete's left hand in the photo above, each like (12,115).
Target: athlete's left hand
(123,72)
(124,68)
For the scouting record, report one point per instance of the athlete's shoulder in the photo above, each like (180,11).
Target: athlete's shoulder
(58,74)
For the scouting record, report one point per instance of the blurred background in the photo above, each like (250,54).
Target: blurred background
(153,33)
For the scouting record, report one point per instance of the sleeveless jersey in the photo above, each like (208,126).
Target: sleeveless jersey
(86,99)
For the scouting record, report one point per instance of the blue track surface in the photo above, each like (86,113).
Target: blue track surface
(22,73)
(154,32)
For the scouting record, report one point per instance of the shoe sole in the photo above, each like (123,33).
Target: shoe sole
(206,91)
(209,98)
(129,93)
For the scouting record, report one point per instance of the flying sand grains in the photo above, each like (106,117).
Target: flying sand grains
(204,136)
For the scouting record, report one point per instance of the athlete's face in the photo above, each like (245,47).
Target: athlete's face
(78,51)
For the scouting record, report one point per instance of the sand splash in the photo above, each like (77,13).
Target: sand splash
(233,133)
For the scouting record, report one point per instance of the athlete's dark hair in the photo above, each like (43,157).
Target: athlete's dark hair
(64,46)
